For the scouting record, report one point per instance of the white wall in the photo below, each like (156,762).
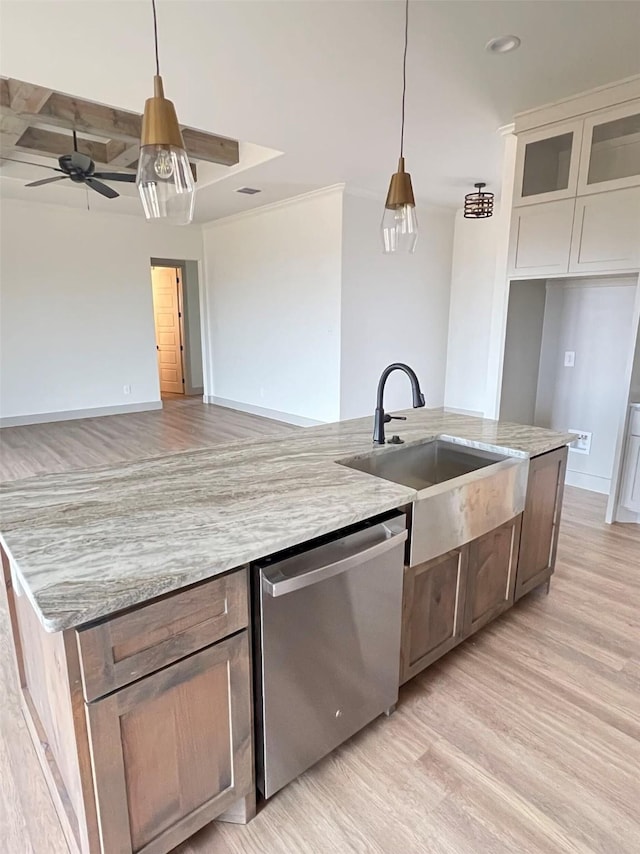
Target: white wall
(273,307)
(394,308)
(76,307)
(523,341)
(473,276)
(593,318)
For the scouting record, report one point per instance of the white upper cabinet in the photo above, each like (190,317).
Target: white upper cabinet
(606,232)
(540,239)
(610,156)
(547,164)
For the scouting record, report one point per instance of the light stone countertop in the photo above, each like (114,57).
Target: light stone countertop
(86,544)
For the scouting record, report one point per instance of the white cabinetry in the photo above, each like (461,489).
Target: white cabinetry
(576,203)
(630,496)
(610,155)
(606,232)
(547,164)
(540,239)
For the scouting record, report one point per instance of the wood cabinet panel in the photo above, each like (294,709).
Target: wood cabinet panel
(433,610)
(606,232)
(540,239)
(120,650)
(174,750)
(491,575)
(541,520)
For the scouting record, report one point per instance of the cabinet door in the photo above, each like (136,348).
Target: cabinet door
(433,610)
(491,575)
(631,476)
(541,520)
(610,158)
(540,239)
(547,163)
(174,750)
(606,232)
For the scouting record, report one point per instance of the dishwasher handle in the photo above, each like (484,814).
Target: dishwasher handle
(393,535)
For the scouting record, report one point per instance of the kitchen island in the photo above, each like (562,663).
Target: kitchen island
(128,594)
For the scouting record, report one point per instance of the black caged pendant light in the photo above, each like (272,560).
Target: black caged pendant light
(478,205)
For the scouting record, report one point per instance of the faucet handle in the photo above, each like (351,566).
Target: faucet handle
(388,418)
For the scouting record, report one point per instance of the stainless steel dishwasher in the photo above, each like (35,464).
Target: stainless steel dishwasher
(328,623)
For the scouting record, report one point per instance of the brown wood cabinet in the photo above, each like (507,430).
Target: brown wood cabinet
(142,723)
(450,597)
(432,610)
(491,575)
(172,751)
(541,520)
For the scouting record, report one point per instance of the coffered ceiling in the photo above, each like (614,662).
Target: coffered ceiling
(40,121)
(320,81)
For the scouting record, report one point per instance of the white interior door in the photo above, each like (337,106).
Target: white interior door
(167,316)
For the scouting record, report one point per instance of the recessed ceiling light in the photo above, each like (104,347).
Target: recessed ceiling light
(503,44)
(248,191)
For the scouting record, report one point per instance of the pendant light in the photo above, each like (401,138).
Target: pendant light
(399,221)
(478,205)
(164,178)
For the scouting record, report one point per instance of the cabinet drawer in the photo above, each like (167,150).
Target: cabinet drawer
(120,650)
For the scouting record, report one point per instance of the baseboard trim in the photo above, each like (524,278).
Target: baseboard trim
(458,411)
(76,414)
(273,414)
(592,482)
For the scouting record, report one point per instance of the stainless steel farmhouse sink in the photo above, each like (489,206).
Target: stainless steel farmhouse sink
(462,492)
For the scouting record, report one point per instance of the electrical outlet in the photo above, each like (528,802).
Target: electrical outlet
(582,443)
(569,359)
(126,389)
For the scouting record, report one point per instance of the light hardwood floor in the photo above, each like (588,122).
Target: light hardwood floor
(526,739)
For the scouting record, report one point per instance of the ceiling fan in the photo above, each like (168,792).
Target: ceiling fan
(80,168)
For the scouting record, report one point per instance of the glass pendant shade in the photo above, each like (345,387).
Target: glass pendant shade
(399,221)
(164,179)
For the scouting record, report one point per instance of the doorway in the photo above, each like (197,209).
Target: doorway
(167,316)
(176,315)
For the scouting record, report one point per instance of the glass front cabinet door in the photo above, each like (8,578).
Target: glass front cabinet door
(547,162)
(610,158)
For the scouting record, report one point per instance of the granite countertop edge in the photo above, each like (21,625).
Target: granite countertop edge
(84,545)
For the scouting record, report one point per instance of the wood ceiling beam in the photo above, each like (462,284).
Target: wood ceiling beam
(36,104)
(27,97)
(52,143)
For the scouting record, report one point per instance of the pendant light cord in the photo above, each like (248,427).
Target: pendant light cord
(155,35)
(404,72)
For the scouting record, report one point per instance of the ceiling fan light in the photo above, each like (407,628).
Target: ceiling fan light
(164,179)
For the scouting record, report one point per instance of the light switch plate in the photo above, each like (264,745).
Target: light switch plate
(569,358)
(582,442)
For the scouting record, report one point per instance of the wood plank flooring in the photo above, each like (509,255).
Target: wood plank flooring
(183,423)
(526,739)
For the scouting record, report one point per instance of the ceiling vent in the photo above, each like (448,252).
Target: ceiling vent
(248,191)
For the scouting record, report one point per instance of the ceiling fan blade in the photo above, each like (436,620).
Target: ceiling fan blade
(81,161)
(47,181)
(101,188)
(129,177)
(30,163)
